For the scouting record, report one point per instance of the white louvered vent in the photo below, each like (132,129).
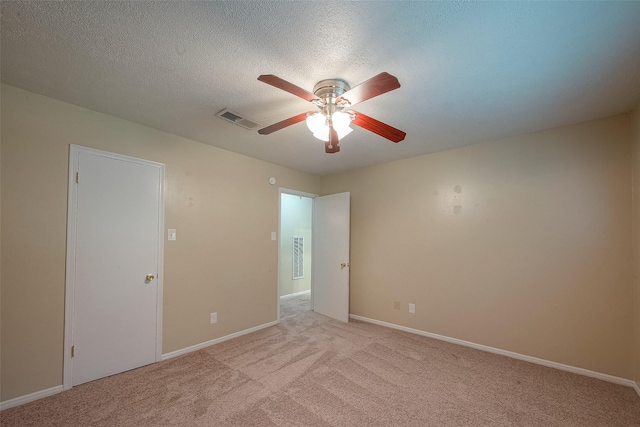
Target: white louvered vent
(298,257)
(237,119)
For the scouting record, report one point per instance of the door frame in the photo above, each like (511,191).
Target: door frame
(69,309)
(294,193)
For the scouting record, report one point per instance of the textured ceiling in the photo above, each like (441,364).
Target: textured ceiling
(470,72)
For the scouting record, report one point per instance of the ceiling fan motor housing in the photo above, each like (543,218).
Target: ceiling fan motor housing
(330,88)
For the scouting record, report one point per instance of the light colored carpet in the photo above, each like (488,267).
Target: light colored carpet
(290,306)
(312,371)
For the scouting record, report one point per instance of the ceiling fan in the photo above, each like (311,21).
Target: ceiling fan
(334,97)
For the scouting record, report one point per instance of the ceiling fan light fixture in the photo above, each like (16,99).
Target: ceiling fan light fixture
(341,122)
(344,132)
(323,135)
(317,124)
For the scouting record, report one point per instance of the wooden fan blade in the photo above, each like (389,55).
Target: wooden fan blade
(382,83)
(283,124)
(376,126)
(288,87)
(331,146)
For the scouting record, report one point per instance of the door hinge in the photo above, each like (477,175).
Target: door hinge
(73,350)
(77,177)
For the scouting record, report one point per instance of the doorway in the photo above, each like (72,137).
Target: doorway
(295,253)
(322,225)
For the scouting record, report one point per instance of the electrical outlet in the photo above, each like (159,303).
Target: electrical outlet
(412,308)
(214,318)
(396,305)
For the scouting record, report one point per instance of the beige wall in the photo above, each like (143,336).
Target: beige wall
(522,244)
(636,238)
(295,220)
(218,201)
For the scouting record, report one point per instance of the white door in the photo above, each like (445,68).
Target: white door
(116,264)
(330,266)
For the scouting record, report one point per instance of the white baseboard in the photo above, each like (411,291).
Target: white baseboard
(216,341)
(21,400)
(295,294)
(548,363)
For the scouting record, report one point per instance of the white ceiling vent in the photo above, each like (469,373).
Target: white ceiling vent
(238,119)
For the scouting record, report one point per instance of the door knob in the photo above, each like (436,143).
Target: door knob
(150,277)
(344,264)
